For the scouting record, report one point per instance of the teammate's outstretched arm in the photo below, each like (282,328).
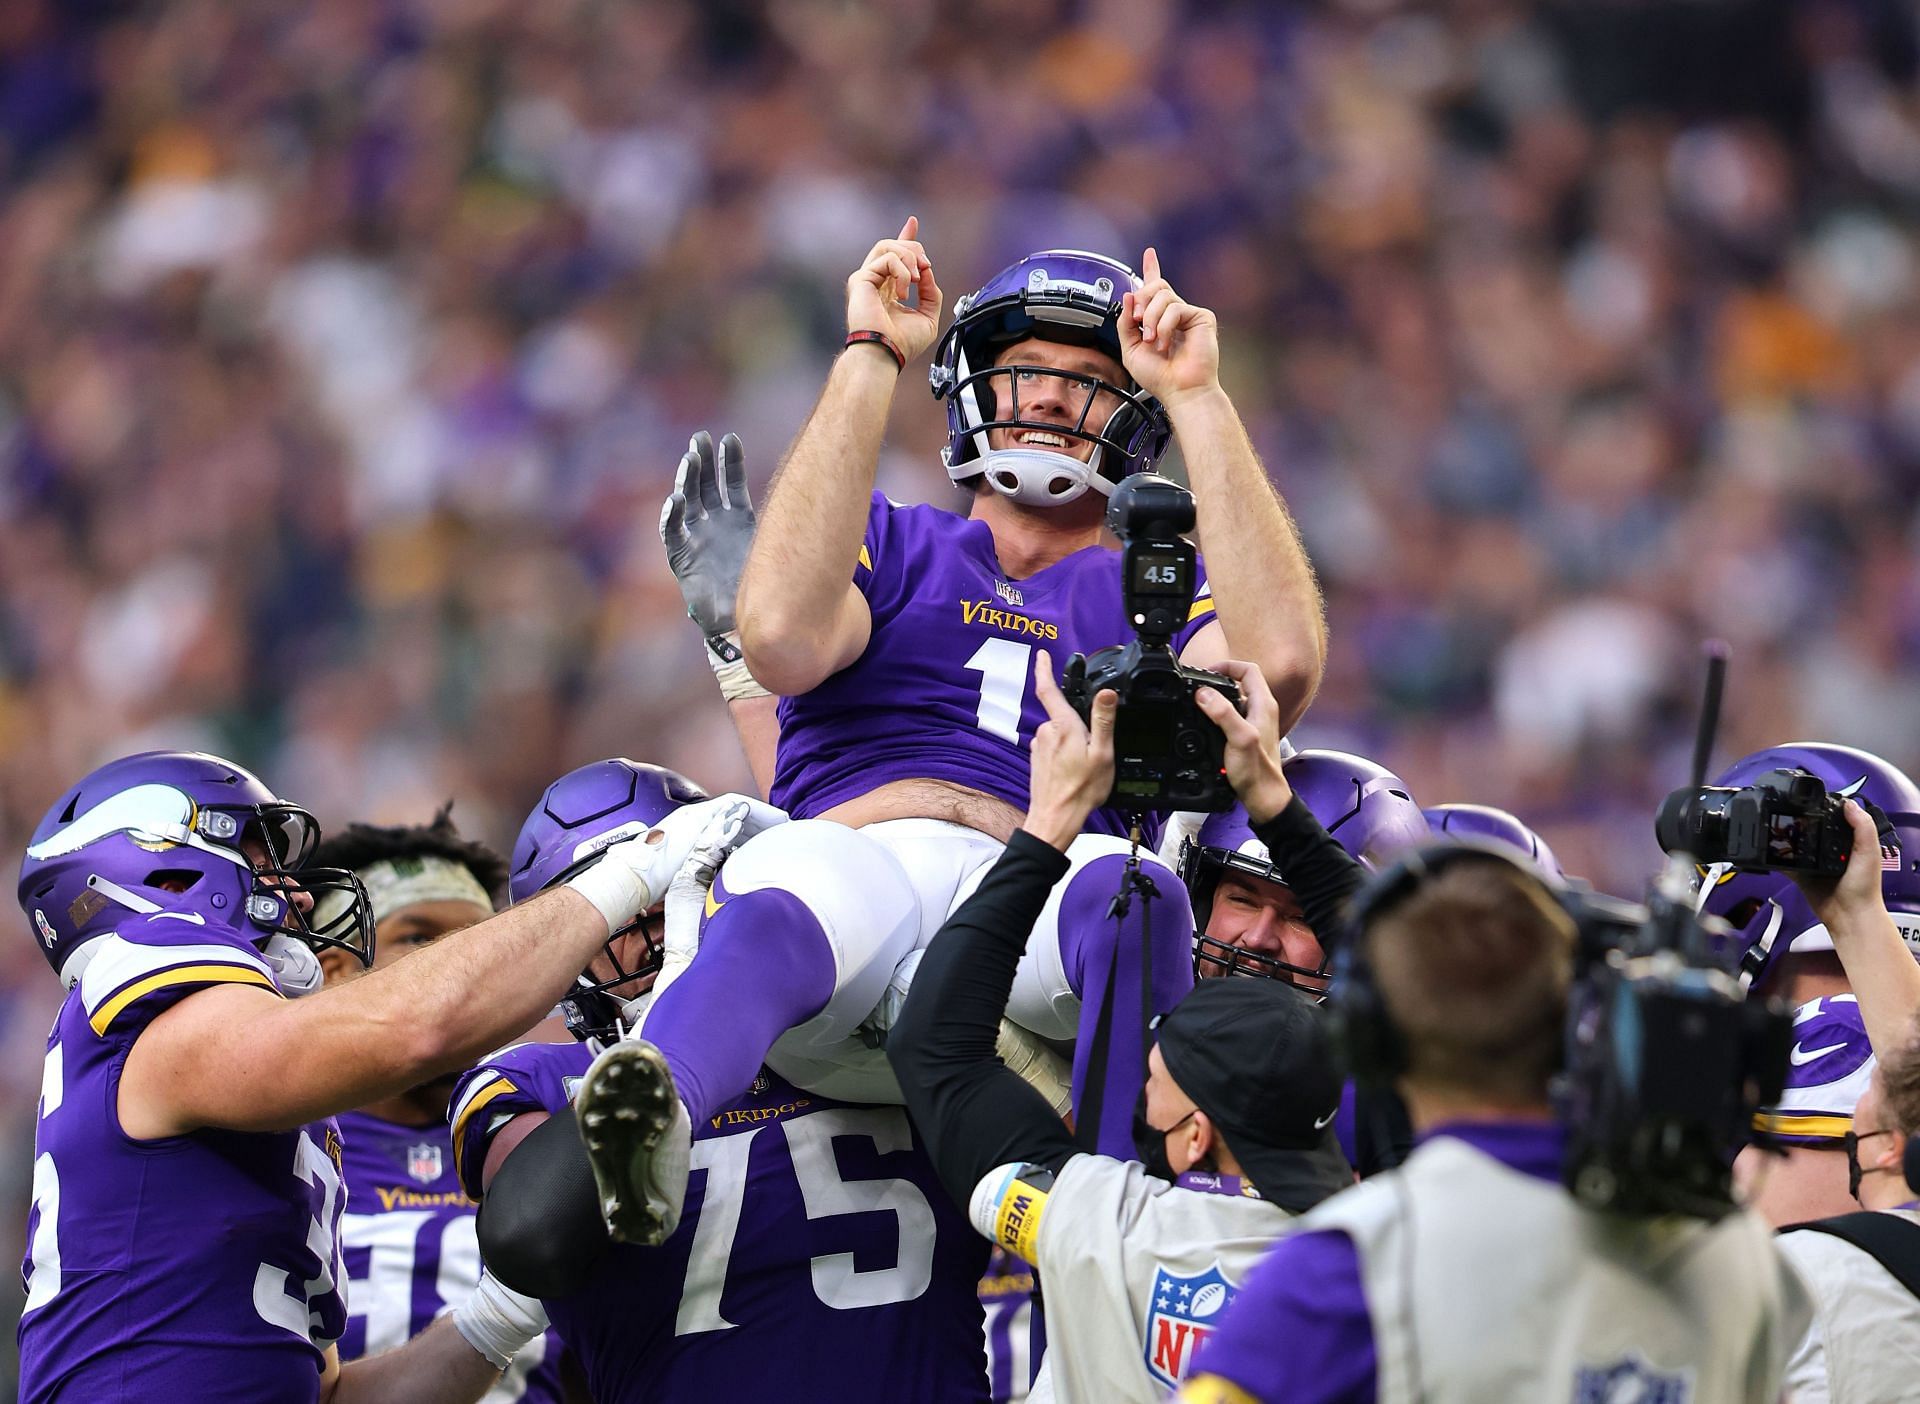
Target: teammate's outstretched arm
(240,1057)
(434,1367)
(1880,969)
(801,619)
(1266,600)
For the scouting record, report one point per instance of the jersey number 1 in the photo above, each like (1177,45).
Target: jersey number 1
(1004,667)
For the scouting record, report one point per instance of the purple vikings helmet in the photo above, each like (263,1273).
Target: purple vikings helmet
(1484,822)
(1769,916)
(1828,1071)
(1059,295)
(185,833)
(1364,806)
(581,815)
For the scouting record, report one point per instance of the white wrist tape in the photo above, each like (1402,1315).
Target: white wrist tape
(615,890)
(729,665)
(497,1321)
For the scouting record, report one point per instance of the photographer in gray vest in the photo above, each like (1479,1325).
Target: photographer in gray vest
(1863,1269)
(1137,1259)
(1471,1273)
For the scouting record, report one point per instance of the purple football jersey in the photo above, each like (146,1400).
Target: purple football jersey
(410,1249)
(944,690)
(199,1267)
(818,1257)
(1016,1337)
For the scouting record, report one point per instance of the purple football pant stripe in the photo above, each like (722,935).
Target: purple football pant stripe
(1090,940)
(764,966)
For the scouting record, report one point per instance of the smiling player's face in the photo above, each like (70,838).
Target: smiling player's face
(1052,399)
(1252,914)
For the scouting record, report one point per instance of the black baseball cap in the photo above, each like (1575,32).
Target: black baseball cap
(1255,1056)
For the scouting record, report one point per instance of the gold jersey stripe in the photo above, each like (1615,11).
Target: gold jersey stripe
(865,559)
(104,1016)
(1211,1389)
(1201,606)
(1832,1127)
(713,903)
(460,1126)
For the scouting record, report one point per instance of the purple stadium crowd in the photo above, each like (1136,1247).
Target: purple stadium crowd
(347,351)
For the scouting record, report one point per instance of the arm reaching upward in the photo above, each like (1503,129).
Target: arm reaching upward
(1267,602)
(707,526)
(801,619)
(1880,969)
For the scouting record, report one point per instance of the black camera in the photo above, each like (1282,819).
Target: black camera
(1167,753)
(1785,822)
(1666,1063)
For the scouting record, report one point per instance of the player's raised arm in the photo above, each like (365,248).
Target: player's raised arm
(707,525)
(801,619)
(1267,602)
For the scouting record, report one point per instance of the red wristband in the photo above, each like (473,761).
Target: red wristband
(879,339)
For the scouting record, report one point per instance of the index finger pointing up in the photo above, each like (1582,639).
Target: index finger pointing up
(911,228)
(1149,265)
(1048,691)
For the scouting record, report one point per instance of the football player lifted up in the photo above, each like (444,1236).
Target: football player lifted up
(901,640)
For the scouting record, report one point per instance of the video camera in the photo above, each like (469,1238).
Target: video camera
(1666,1062)
(1167,753)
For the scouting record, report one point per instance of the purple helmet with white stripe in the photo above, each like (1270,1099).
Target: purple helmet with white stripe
(187,833)
(1059,295)
(1769,915)
(1828,1070)
(581,815)
(1365,807)
(1484,822)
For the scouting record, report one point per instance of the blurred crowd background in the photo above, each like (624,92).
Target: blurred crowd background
(347,348)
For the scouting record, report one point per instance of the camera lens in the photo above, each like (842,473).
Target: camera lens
(1695,822)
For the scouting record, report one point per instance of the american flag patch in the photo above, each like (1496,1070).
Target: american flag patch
(1889,858)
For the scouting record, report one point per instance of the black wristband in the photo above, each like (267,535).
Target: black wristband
(859,338)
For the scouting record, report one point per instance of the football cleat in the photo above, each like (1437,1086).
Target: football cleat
(639,1141)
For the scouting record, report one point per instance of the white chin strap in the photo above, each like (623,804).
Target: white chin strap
(1040,478)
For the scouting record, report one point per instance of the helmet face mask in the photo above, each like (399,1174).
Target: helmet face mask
(1364,807)
(581,815)
(1065,296)
(1203,860)
(188,834)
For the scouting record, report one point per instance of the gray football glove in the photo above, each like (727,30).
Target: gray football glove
(707,526)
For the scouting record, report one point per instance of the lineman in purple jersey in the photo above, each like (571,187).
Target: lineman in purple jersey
(817,1257)
(182,1241)
(904,642)
(407,1238)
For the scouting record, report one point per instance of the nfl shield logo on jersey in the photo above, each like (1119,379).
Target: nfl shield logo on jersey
(423,1162)
(1183,1312)
(1631,1381)
(1009,592)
